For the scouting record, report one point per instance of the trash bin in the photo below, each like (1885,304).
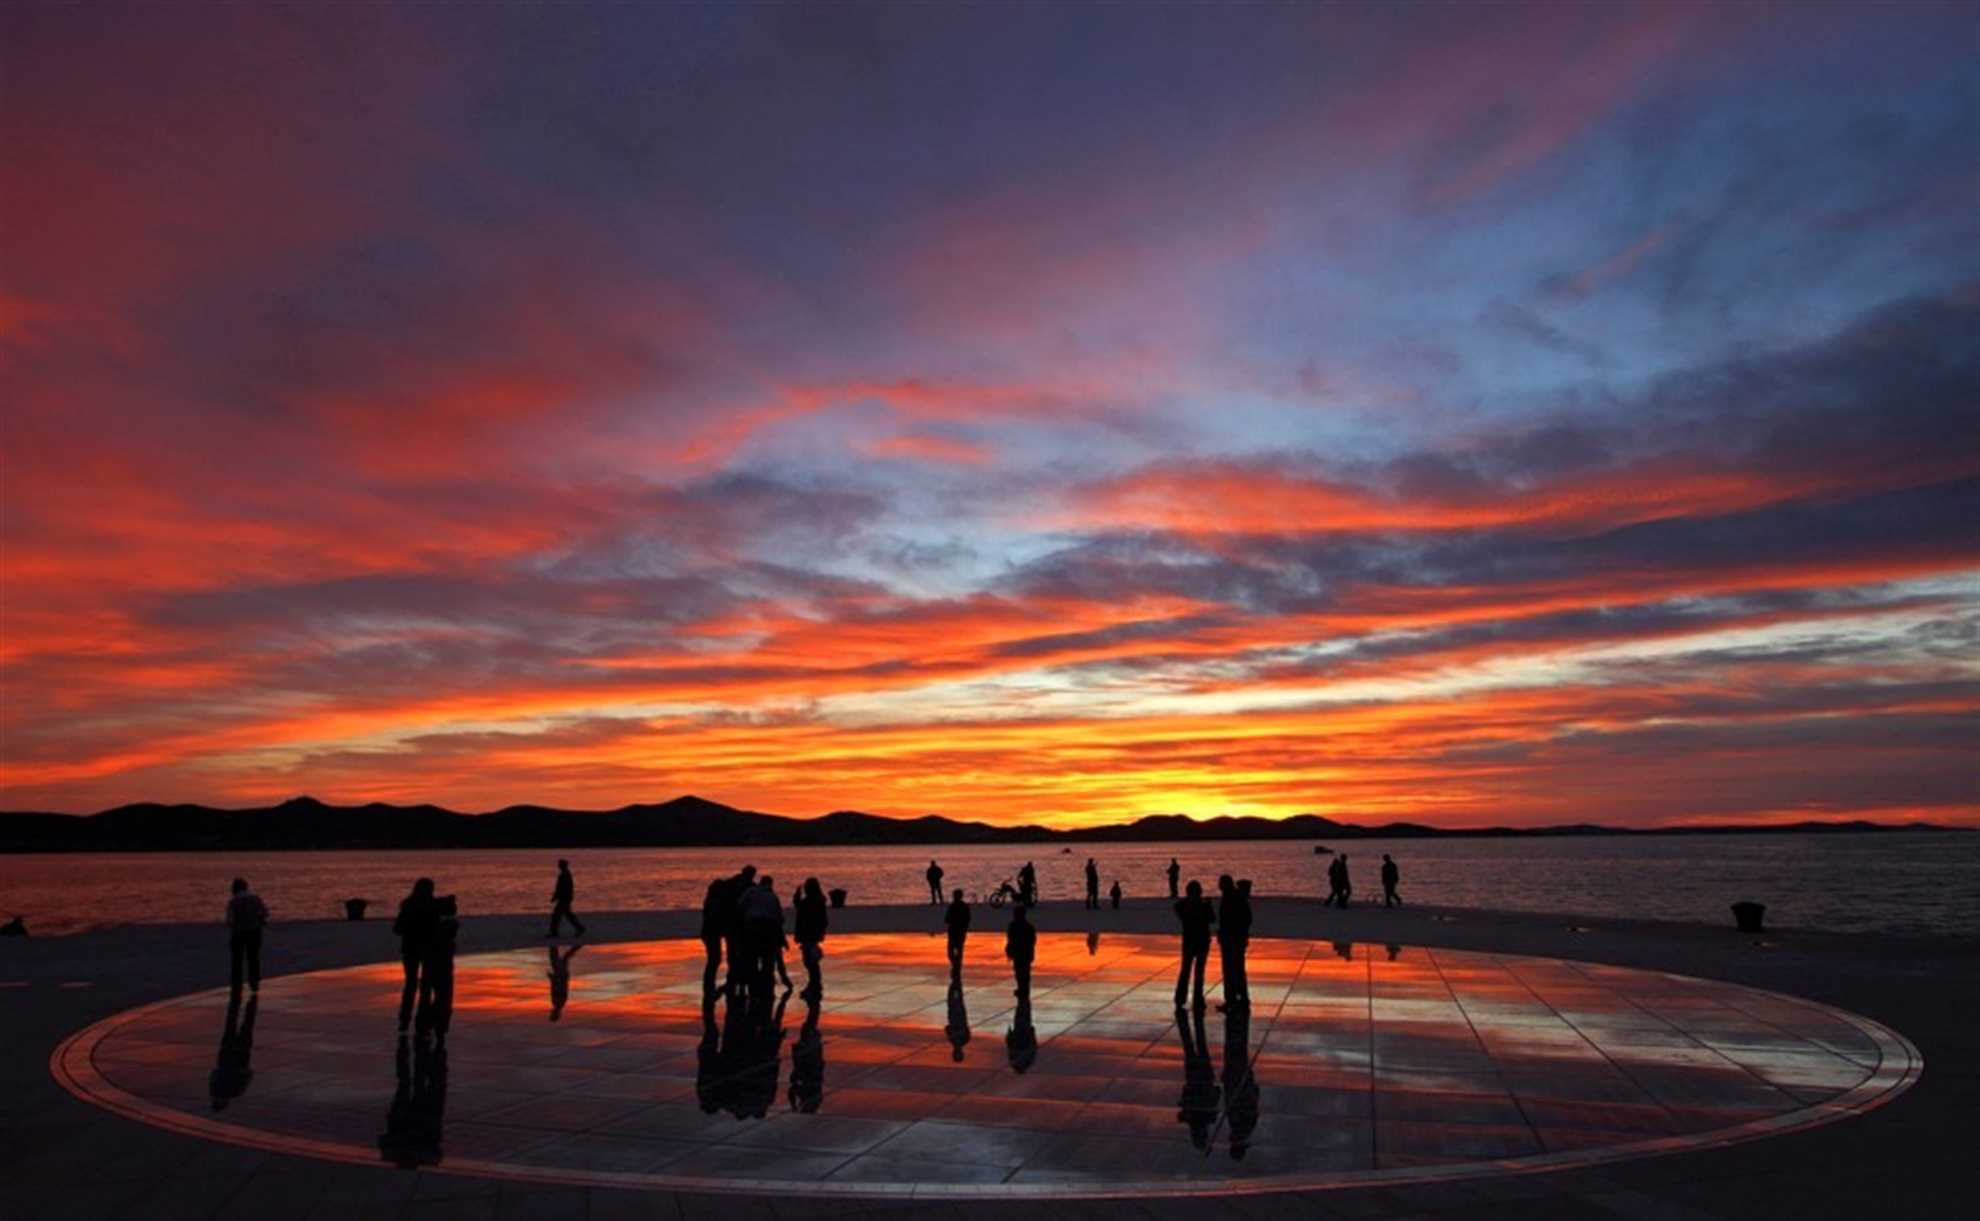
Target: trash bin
(837,896)
(354,908)
(1748,915)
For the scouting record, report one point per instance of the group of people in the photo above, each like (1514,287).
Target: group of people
(1231,917)
(1026,890)
(1340,886)
(742,919)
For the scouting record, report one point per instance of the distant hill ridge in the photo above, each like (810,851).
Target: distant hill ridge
(303,823)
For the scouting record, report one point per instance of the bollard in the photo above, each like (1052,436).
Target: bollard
(837,896)
(1748,915)
(354,908)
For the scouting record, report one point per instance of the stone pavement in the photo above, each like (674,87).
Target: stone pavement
(66,1158)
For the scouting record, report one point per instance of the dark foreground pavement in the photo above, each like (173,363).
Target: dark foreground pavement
(64,1160)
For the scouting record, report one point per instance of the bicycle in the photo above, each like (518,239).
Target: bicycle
(1006,892)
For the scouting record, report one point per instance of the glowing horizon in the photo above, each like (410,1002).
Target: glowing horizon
(1481,415)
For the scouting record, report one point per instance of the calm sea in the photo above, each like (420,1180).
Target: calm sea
(1895,882)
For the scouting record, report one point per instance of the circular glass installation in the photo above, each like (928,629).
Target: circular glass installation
(1351,1065)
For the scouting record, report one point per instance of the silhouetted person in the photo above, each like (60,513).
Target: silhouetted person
(808,1060)
(1390,876)
(247,915)
(1092,885)
(1240,1083)
(412,1127)
(1197,1106)
(934,883)
(1114,893)
(414,926)
(1175,876)
(957,918)
(436,983)
(762,918)
(957,1029)
(1347,882)
(1334,883)
(233,1067)
(560,901)
(809,923)
(1021,947)
(560,979)
(1233,941)
(721,927)
(1196,916)
(1028,885)
(1021,1041)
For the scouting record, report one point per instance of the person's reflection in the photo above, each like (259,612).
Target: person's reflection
(1240,1083)
(1345,949)
(231,1069)
(708,1076)
(1093,943)
(1021,1042)
(560,979)
(808,1059)
(1198,1105)
(412,1127)
(758,1058)
(958,1027)
(1395,952)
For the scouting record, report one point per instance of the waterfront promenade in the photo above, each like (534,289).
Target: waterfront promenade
(77,1161)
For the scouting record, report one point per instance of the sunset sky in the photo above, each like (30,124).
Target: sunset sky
(1458,413)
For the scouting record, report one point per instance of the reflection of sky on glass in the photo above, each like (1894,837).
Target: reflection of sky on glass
(1353,1058)
(1482,413)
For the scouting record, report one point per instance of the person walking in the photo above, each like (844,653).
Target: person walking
(414,927)
(1390,876)
(1196,916)
(1092,885)
(934,883)
(957,919)
(1175,876)
(247,915)
(560,901)
(1347,883)
(1021,947)
(811,920)
(1233,940)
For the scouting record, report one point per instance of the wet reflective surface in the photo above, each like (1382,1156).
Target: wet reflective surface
(1353,1062)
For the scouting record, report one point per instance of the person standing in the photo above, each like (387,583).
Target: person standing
(1175,876)
(414,927)
(1028,885)
(1347,883)
(1196,916)
(1021,947)
(762,932)
(1114,893)
(732,935)
(934,883)
(560,901)
(1233,940)
(1092,885)
(1390,876)
(810,922)
(247,915)
(957,918)
(436,981)
(718,908)
(1333,883)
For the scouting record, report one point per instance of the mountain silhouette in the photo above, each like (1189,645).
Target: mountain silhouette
(303,823)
